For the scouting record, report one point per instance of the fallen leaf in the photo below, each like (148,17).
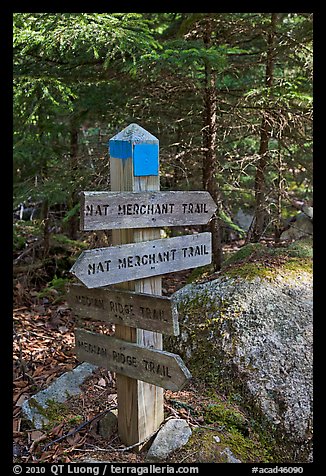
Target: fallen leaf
(21,399)
(36,435)
(58,430)
(62,308)
(39,308)
(101,382)
(21,384)
(16,424)
(74,439)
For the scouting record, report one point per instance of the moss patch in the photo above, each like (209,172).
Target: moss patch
(203,315)
(200,273)
(225,430)
(246,252)
(226,416)
(255,260)
(201,448)
(248,449)
(54,412)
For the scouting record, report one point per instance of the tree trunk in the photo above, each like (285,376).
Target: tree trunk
(178,174)
(209,160)
(46,227)
(279,191)
(257,229)
(73,221)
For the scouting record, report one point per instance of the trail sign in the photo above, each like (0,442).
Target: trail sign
(134,167)
(134,210)
(145,311)
(116,264)
(111,210)
(157,367)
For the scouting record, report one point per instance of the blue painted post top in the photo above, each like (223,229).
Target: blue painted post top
(134,141)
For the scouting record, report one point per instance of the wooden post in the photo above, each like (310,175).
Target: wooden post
(134,166)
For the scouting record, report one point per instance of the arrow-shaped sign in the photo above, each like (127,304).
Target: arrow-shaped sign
(127,308)
(116,264)
(110,210)
(157,367)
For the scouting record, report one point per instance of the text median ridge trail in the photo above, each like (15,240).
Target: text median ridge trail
(157,367)
(114,306)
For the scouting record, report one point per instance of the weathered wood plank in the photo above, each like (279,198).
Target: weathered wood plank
(116,264)
(140,404)
(157,367)
(111,210)
(127,308)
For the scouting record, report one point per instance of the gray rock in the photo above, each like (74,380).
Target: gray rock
(34,409)
(230,456)
(256,338)
(243,219)
(300,226)
(108,425)
(309,211)
(173,435)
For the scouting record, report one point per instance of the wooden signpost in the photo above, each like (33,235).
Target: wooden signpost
(110,210)
(145,311)
(157,367)
(133,209)
(134,167)
(117,264)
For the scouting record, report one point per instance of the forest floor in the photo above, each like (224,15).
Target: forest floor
(44,350)
(43,347)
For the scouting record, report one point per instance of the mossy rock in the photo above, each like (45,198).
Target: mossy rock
(215,446)
(243,332)
(258,261)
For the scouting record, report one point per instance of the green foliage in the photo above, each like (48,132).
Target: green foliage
(23,232)
(85,76)
(61,41)
(60,60)
(230,224)
(55,288)
(301,248)
(53,411)
(244,253)
(181,56)
(68,243)
(71,213)
(18,240)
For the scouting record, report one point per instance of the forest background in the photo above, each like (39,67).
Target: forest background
(228,95)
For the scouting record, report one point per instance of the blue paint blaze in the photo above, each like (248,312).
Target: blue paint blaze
(146,159)
(120,149)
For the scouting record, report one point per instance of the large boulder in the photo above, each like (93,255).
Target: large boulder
(249,333)
(299,226)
